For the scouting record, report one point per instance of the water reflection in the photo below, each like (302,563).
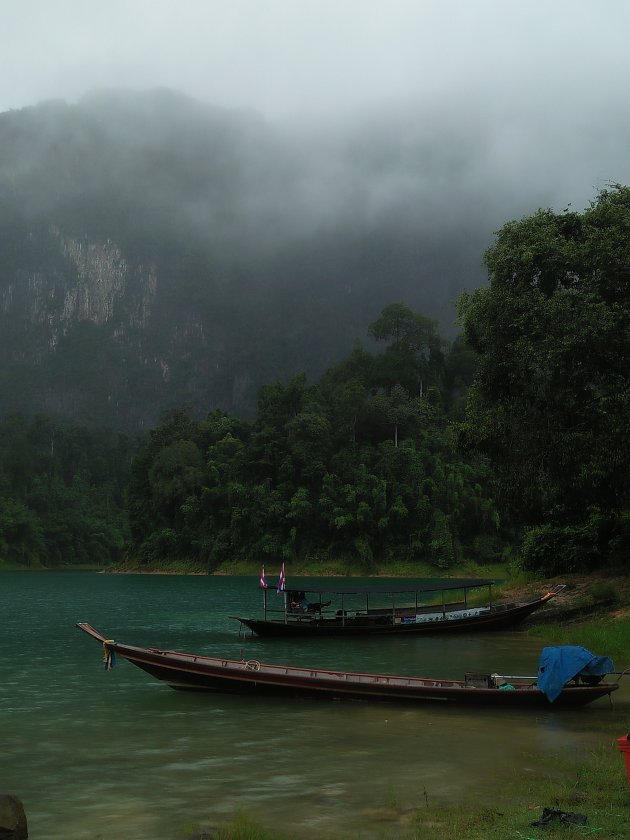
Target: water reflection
(111,755)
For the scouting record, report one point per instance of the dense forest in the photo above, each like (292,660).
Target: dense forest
(550,405)
(511,441)
(62,493)
(361,465)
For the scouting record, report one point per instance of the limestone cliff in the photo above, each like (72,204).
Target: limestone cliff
(156,252)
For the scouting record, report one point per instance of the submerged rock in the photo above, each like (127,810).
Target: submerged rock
(12,818)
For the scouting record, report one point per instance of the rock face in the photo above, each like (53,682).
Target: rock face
(12,818)
(156,252)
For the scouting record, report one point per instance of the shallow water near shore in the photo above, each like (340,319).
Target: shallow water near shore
(93,754)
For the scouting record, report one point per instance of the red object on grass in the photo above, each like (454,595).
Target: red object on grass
(624,748)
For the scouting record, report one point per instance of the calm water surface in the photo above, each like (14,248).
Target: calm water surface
(118,756)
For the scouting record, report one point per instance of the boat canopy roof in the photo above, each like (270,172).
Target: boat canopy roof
(429,586)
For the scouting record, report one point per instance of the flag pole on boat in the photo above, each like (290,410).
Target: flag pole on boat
(263,586)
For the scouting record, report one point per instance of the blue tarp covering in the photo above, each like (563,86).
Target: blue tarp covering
(559,665)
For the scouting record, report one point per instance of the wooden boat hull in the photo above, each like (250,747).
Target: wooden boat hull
(184,671)
(497,618)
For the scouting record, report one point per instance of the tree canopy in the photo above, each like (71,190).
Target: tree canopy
(62,493)
(360,466)
(550,403)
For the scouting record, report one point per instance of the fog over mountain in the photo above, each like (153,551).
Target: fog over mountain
(198,199)
(529,97)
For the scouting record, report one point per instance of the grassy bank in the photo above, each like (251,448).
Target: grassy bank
(608,635)
(313,567)
(594,787)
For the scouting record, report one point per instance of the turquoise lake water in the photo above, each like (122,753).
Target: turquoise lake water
(119,756)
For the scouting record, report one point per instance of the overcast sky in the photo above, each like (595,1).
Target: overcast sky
(547,81)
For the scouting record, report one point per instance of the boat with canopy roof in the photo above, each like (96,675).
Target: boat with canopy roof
(432,607)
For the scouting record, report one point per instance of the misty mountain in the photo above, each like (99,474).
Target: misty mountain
(156,251)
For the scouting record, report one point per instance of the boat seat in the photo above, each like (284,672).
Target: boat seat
(476,680)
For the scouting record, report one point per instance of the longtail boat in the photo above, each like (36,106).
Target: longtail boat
(331,611)
(187,671)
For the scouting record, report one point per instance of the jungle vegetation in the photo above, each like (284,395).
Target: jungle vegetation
(550,405)
(62,493)
(361,465)
(512,441)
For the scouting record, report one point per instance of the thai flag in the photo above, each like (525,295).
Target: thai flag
(263,582)
(282,580)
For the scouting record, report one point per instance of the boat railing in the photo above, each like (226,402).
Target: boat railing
(381,606)
(485,680)
(413,610)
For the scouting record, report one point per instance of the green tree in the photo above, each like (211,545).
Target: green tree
(550,404)
(354,509)
(400,411)
(414,357)
(21,538)
(63,492)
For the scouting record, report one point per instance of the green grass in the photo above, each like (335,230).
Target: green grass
(595,786)
(605,636)
(241,827)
